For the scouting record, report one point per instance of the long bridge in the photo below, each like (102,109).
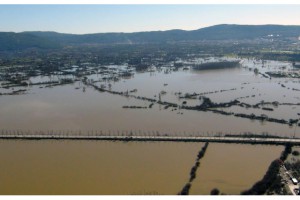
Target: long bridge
(171,138)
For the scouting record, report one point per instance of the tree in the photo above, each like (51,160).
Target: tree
(295,153)
(186,189)
(215,191)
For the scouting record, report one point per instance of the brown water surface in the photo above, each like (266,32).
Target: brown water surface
(94,167)
(233,168)
(97,167)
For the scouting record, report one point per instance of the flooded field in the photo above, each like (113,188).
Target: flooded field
(64,108)
(96,167)
(258,96)
(78,106)
(233,168)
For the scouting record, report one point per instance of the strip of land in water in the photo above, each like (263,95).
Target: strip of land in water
(223,139)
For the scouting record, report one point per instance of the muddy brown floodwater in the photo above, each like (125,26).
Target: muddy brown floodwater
(94,167)
(233,168)
(67,108)
(97,167)
(64,108)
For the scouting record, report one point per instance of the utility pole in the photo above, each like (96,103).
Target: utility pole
(295,130)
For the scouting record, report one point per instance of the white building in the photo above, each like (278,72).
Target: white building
(295,182)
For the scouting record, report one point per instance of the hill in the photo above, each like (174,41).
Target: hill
(218,32)
(46,40)
(240,32)
(21,41)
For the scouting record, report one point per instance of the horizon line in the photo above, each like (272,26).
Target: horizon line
(122,32)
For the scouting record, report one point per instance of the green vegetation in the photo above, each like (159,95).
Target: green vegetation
(286,152)
(215,191)
(21,41)
(292,163)
(294,167)
(295,153)
(254,39)
(271,181)
(293,56)
(217,65)
(186,189)
(218,32)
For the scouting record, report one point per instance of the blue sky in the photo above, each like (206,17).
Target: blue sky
(80,19)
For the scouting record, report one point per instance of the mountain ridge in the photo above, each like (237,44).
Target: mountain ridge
(52,39)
